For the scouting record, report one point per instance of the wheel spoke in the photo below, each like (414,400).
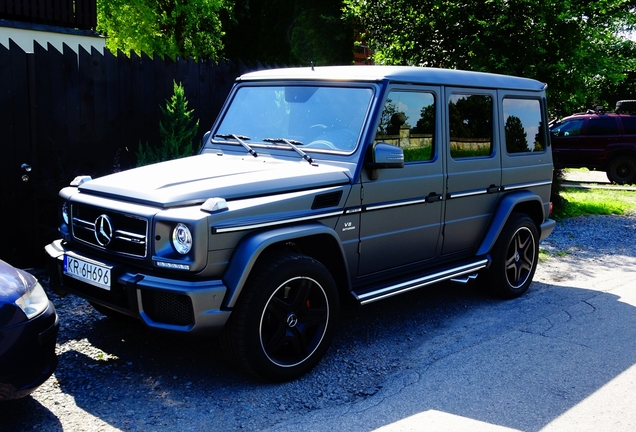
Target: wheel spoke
(520,261)
(294,321)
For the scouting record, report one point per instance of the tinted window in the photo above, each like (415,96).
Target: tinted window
(408,121)
(602,126)
(523,127)
(629,125)
(470,123)
(568,128)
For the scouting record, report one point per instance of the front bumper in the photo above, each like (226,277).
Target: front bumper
(160,302)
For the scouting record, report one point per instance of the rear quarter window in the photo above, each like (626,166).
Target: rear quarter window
(524,130)
(602,126)
(629,125)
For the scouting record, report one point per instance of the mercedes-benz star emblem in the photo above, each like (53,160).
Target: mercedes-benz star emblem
(103,230)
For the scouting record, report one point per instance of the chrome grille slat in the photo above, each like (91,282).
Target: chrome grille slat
(129,232)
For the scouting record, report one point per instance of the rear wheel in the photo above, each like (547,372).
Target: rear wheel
(622,170)
(514,257)
(285,319)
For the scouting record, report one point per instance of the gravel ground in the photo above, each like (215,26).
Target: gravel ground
(117,375)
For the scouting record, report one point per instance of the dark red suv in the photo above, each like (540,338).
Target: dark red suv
(598,141)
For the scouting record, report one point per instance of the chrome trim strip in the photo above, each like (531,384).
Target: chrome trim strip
(274,223)
(397,204)
(466,194)
(420,282)
(525,185)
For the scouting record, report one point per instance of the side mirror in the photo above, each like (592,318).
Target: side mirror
(384,156)
(206,138)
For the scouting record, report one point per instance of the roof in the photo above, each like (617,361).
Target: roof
(399,74)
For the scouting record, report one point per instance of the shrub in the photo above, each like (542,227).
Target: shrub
(177,131)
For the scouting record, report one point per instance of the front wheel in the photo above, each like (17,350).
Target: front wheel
(514,257)
(622,170)
(285,319)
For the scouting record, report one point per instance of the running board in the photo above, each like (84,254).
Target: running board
(391,290)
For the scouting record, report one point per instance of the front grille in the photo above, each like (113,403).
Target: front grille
(128,235)
(168,308)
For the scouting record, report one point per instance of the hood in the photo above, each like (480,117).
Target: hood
(194,179)
(13,283)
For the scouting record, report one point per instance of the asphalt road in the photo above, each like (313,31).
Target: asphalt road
(449,358)
(561,359)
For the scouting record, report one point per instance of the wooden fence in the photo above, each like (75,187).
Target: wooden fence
(63,114)
(79,14)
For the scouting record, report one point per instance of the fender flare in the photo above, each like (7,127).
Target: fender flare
(504,209)
(251,247)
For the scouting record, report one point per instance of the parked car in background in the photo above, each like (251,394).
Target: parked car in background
(598,140)
(28,331)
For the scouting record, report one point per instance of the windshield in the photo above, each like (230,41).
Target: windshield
(314,117)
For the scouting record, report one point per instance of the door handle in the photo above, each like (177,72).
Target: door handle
(492,189)
(433,197)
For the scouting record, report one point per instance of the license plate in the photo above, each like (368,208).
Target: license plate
(94,274)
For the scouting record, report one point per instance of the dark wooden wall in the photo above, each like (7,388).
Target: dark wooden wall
(64,114)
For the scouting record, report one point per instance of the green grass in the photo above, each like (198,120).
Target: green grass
(586,202)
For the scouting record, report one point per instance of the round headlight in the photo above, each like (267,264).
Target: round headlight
(33,302)
(65,212)
(182,239)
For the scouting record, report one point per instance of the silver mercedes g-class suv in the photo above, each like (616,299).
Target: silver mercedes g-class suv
(312,185)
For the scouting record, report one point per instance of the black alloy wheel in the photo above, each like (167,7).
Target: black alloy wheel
(285,319)
(514,257)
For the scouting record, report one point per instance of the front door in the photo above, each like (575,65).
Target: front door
(402,208)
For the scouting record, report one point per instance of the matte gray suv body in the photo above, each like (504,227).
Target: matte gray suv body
(316,184)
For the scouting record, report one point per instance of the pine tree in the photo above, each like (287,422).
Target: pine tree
(176,130)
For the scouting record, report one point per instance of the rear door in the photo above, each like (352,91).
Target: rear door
(599,134)
(474,168)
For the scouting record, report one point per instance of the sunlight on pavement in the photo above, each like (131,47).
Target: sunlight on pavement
(433,420)
(609,408)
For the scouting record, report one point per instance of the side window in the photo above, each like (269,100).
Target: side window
(470,120)
(602,126)
(408,121)
(568,128)
(629,125)
(524,131)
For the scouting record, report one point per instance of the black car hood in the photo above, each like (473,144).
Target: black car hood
(194,179)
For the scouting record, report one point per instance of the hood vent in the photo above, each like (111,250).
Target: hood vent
(331,199)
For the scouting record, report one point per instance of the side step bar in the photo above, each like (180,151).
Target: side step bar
(391,290)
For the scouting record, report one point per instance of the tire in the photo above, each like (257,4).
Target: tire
(514,257)
(622,170)
(285,319)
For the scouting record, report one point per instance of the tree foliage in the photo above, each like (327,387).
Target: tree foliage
(166,27)
(177,131)
(574,46)
(292,32)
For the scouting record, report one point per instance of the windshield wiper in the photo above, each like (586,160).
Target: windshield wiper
(292,144)
(241,139)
